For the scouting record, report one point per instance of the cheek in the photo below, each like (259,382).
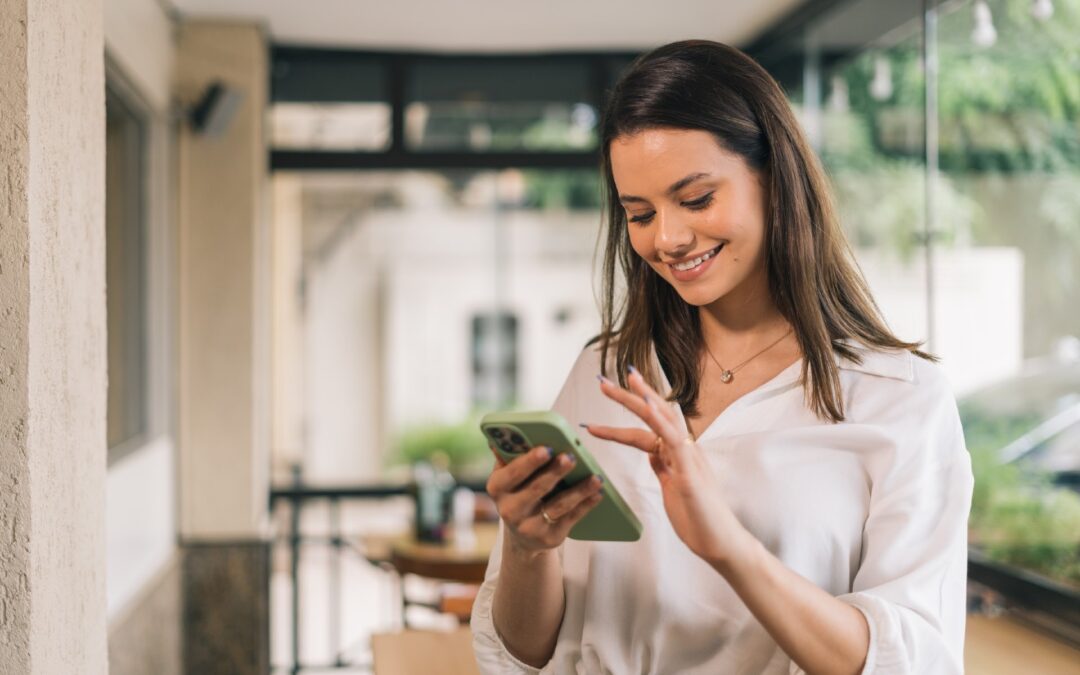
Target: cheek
(641,241)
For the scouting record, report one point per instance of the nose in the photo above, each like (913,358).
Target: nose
(674,239)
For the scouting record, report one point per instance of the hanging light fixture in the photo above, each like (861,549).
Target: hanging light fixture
(838,95)
(984,34)
(1042,9)
(881,86)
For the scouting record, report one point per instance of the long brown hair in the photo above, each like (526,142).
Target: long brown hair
(813,277)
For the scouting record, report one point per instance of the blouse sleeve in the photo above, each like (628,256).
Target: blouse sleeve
(911,583)
(492,656)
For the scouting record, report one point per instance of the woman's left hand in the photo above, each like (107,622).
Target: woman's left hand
(693,495)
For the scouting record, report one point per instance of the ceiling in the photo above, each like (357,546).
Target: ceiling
(498,25)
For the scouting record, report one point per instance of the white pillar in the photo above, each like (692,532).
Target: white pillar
(52,338)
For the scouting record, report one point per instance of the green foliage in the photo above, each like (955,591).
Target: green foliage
(1017,516)
(462,443)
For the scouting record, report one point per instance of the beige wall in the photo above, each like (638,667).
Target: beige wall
(52,338)
(224,292)
(288,356)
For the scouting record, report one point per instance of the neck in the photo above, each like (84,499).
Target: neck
(741,317)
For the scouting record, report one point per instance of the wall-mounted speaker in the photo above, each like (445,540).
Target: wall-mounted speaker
(210,116)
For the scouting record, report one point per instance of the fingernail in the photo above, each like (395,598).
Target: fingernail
(550,451)
(570,459)
(600,478)
(603,379)
(632,369)
(583,425)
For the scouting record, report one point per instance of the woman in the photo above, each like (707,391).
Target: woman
(799,471)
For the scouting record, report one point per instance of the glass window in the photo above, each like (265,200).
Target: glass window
(1010,147)
(330,126)
(967,231)
(480,106)
(125,247)
(494,357)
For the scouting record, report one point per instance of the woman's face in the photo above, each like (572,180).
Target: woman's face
(695,212)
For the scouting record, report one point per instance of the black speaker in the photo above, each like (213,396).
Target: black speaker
(211,115)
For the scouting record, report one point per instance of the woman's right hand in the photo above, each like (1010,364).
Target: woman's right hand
(519,488)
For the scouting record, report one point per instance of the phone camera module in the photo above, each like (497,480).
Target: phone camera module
(507,447)
(497,434)
(517,439)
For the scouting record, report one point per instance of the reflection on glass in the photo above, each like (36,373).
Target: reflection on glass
(500,126)
(330,126)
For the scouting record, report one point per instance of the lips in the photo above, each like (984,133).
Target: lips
(698,265)
(690,263)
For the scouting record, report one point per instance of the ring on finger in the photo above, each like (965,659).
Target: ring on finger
(547,519)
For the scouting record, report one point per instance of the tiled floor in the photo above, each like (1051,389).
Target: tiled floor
(1001,646)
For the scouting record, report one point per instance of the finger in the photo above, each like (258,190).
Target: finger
(639,386)
(642,439)
(627,399)
(673,449)
(659,465)
(644,409)
(567,522)
(525,500)
(566,501)
(507,478)
(499,461)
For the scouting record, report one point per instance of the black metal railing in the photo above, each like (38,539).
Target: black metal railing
(297,497)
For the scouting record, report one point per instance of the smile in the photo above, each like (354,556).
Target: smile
(695,262)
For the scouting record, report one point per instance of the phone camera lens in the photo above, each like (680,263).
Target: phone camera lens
(497,434)
(506,446)
(517,439)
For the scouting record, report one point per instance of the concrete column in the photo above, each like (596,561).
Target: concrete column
(288,351)
(52,338)
(224,291)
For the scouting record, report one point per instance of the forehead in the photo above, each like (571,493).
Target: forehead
(649,161)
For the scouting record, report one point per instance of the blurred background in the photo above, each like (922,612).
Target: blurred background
(338,233)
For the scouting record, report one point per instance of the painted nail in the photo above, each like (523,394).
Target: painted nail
(632,369)
(570,459)
(583,425)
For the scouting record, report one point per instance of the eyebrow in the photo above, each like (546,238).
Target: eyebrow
(675,187)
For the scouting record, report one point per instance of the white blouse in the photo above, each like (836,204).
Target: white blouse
(873,510)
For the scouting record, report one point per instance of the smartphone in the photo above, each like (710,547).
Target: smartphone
(515,433)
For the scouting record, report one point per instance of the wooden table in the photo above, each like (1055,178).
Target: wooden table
(448,561)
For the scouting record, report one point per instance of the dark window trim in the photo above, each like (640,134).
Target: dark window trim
(602,68)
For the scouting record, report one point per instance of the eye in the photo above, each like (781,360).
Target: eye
(696,205)
(699,204)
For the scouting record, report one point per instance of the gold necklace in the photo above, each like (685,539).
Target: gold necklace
(728,375)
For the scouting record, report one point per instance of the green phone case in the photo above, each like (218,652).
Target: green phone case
(611,519)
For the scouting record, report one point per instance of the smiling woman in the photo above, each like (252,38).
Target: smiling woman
(804,507)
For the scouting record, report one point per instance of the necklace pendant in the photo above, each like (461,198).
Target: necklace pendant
(725,376)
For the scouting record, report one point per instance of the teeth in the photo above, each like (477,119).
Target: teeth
(691,264)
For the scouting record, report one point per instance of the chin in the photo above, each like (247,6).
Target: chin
(698,295)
